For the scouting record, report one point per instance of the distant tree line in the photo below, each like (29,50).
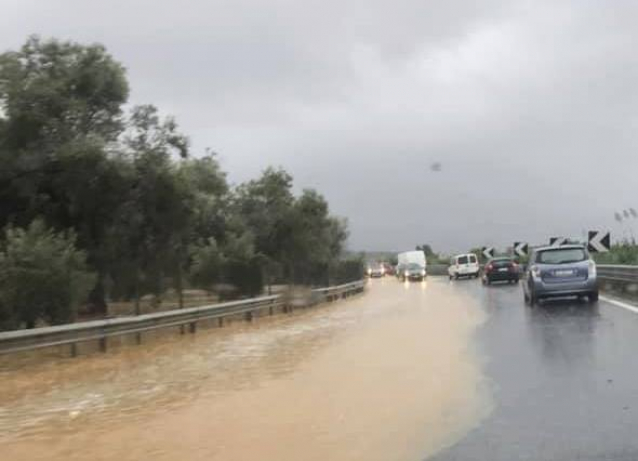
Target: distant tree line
(98,203)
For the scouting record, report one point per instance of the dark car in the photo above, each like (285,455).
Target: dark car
(501,270)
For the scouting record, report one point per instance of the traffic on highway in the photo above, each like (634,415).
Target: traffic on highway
(556,270)
(320,230)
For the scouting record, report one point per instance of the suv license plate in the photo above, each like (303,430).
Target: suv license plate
(564,273)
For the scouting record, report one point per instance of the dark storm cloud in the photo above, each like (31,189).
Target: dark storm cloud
(529,107)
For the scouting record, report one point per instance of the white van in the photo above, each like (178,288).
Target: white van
(412,265)
(465,265)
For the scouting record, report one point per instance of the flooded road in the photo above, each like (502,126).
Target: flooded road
(390,375)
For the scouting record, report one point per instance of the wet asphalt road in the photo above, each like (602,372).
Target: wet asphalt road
(563,378)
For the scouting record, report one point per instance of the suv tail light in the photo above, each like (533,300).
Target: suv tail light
(536,272)
(489,267)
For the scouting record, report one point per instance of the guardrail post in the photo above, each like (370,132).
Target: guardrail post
(99,332)
(103,344)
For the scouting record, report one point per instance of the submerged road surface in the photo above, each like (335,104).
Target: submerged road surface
(390,375)
(563,379)
(438,371)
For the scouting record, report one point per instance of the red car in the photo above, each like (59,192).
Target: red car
(389,269)
(501,269)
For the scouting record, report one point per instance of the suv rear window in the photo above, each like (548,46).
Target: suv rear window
(472,259)
(462,260)
(561,256)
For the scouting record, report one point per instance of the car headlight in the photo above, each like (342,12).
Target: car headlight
(592,269)
(406,273)
(423,272)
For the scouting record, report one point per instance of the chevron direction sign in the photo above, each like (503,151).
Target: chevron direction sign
(521,249)
(598,241)
(488,252)
(557,241)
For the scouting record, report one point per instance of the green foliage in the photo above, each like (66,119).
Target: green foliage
(42,277)
(479,254)
(144,214)
(207,264)
(242,266)
(348,270)
(264,205)
(53,91)
(294,235)
(621,253)
(431,256)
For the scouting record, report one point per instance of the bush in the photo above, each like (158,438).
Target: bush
(43,277)
(622,253)
(346,271)
(245,277)
(207,265)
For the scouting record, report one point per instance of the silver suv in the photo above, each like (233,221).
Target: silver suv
(567,270)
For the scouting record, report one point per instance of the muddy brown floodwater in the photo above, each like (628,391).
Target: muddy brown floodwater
(390,375)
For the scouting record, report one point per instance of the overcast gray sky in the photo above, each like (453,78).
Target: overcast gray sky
(529,106)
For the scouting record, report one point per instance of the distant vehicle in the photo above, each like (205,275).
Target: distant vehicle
(389,269)
(412,265)
(376,270)
(465,265)
(567,270)
(413,271)
(504,269)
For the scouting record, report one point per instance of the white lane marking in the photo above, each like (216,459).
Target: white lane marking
(615,302)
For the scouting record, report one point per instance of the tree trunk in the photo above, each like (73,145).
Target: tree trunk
(97,297)
(137,294)
(179,287)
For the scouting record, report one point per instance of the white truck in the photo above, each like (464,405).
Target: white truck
(412,265)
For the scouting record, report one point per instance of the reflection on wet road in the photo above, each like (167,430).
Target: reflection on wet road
(391,375)
(564,381)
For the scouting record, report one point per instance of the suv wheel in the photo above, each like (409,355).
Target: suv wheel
(593,297)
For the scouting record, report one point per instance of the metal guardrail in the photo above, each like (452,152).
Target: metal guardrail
(100,330)
(618,273)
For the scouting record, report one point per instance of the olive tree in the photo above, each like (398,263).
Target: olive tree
(43,277)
